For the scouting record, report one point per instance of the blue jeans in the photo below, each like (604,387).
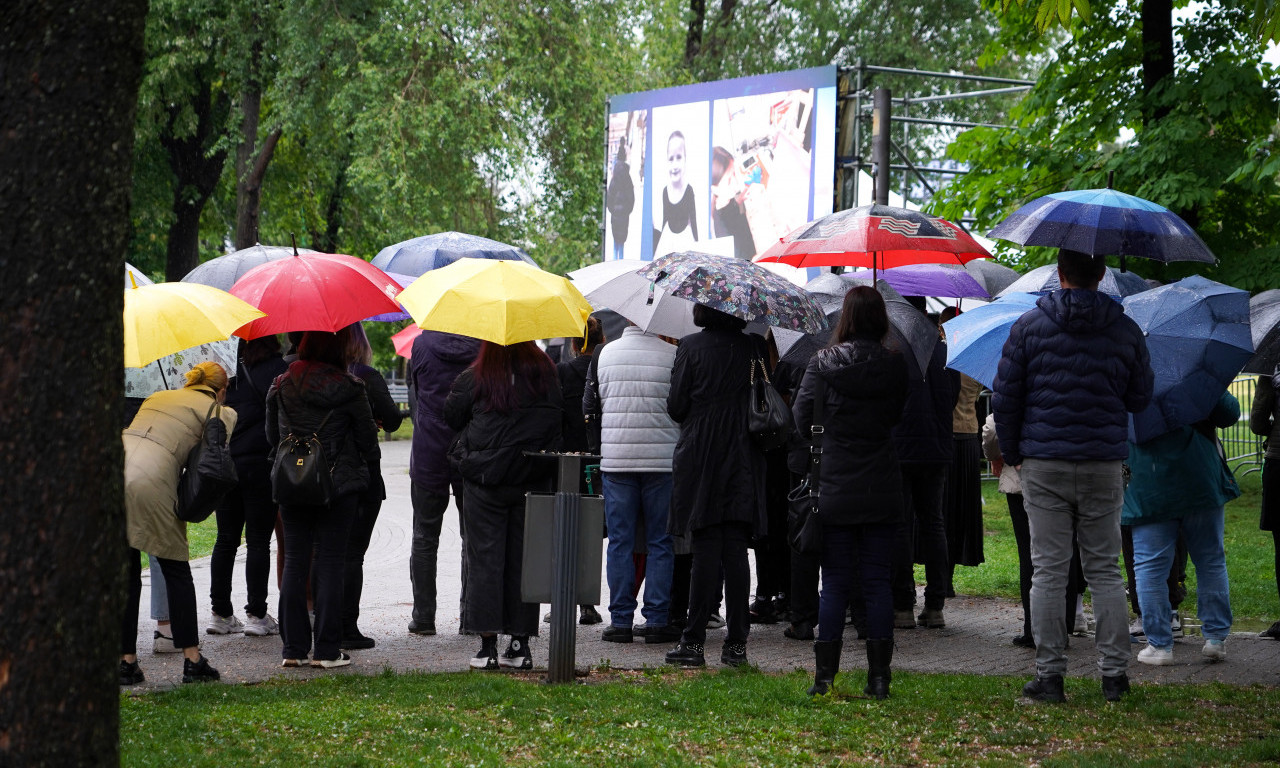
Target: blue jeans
(628,498)
(1153,548)
(850,552)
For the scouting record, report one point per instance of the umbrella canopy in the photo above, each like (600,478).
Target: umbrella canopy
(423,254)
(1106,222)
(929,280)
(877,236)
(395,317)
(314,292)
(1115,283)
(1198,336)
(505,302)
(736,287)
(224,271)
(402,340)
(993,276)
(975,339)
(626,292)
(165,318)
(1264,325)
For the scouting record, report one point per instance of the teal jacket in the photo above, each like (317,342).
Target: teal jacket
(1180,472)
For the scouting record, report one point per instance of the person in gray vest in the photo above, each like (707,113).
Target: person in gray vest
(626,397)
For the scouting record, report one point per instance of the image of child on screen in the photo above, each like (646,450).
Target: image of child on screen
(620,197)
(728,212)
(679,210)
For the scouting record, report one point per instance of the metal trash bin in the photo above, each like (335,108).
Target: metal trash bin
(537,570)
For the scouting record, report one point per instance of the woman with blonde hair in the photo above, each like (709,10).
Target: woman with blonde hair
(156,444)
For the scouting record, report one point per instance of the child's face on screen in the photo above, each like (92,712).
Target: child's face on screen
(675,163)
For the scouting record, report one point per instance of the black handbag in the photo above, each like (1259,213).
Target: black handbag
(769,420)
(804,523)
(209,472)
(301,475)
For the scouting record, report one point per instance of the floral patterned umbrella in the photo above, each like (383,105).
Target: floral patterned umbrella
(737,287)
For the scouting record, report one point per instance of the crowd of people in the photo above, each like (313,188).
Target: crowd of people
(688,493)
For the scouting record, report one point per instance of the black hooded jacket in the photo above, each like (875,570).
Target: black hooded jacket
(866,389)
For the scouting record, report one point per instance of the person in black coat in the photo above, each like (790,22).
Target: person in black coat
(507,402)
(386,414)
(248,508)
(861,387)
(718,475)
(318,396)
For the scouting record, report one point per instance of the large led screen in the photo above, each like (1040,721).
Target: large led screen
(726,167)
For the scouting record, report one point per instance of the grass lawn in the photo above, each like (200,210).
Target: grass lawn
(661,717)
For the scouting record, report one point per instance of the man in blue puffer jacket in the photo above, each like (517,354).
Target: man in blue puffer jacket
(1071,371)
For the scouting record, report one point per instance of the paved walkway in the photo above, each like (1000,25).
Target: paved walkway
(976,639)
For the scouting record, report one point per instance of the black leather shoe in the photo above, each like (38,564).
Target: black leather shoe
(356,642)
(734,654)
(614,634)
(1115,686)
(198,671)
(1025,641)
(761,611)
(587,614)
(422,627)
(667,634)
(800,631)
(1046,689)
(687,655)
(131,673)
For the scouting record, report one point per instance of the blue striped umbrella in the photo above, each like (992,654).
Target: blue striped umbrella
(1104,222)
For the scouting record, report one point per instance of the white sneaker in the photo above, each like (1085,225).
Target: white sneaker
(1175,624)
(162,643)
(223,625)
(716,621)
(1156,657)
(260,627)
(1214,650)
(342,661)
(1135,629)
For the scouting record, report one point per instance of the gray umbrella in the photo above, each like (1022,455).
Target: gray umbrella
(224,271)
(991,275)
(1264,324)
(1115,283)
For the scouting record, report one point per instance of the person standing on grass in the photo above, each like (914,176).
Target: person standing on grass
(860,388)
(1071,371)
(508,402)
(1179,486)
(1264,420)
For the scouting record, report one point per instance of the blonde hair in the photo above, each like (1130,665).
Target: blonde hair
(207,374)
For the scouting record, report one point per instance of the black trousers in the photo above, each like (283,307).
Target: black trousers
(353,565)
(719,549)
(922,537)
(182,603)
(248,508)
(494,556)
(323,531)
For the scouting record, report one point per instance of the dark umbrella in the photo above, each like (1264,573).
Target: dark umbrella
(1106,222)
(1264,324)
(991,275)
(1197,332)
(423,254)
(736,287)
(224,271)
(1115,283)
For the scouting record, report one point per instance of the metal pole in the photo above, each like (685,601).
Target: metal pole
(564,585)
(948,75)
(906,138)
(880,127)
(857,135)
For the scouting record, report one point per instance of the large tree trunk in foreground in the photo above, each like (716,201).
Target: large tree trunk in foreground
(69,73)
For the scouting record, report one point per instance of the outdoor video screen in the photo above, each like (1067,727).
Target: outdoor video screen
(726,167)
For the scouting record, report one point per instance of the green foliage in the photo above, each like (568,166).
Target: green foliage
(1202,141)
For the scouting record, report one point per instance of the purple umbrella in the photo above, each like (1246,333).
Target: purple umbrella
(395,317)
(930,280)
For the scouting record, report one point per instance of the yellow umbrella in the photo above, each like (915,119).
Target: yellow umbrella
(505,302)
(164,318)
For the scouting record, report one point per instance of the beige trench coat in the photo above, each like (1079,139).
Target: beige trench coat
(156,445)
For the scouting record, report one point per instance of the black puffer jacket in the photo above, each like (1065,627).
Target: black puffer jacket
(866,388)
(301,398)
(247,394)
(490,446)
(924,435)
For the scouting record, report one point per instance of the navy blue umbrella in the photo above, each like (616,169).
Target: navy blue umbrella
(1115,283)
(423,254)
(1104,222)
(1198,335)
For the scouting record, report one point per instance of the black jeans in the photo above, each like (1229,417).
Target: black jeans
(860,553)
(495,553)
(922,537)
(324,531)
(804,588)
(248,508)
(182,603)
(428,519)
(719,549)
(1022,539)
(353,569)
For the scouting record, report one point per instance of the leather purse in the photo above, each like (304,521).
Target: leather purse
(769,420)
(209,473)
(804,522)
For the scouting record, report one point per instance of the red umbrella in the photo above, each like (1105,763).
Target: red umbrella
(403,340)
(876,236)
(314,292)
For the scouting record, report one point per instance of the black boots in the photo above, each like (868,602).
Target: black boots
(826,657)
(879,655)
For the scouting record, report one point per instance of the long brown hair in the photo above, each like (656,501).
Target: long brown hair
(503,373)
(863,315)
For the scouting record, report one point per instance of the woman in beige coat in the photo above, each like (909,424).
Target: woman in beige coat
(156,444)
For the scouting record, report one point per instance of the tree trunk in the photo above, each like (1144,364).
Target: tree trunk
(249,193)
(1157,52)
(327,241)
(196,170)
(693,39)
(251,163)
(69,74)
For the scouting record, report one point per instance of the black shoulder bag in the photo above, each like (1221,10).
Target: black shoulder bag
(804,524)
(769,419)
(209,473)
(301,475)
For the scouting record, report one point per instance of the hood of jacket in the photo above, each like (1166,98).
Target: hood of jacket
(323,386)
(448,347)
(1080,310)
(860,368)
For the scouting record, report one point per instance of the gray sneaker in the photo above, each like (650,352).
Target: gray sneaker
(223,625)
(161,643)
(716,621)
(260,627)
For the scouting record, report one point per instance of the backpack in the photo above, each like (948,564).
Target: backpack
(209,473)
(301,474)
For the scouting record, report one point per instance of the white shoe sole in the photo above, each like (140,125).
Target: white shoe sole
(251,631)
(1214,655)
(342,661)
(482,662)
(520,662)
(1156,661)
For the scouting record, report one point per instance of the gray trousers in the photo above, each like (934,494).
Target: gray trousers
(1085,496)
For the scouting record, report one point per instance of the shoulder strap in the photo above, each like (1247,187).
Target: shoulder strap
(316,431)
(817,431)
